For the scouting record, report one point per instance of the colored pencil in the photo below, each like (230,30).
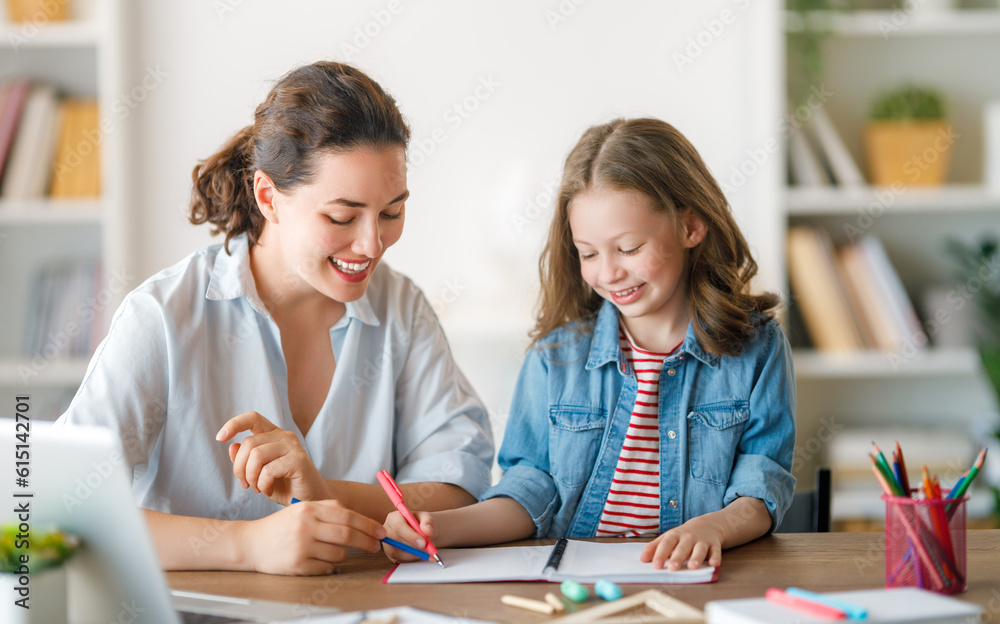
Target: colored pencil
(890,481)
(884,465)
(963,485)
(902,467)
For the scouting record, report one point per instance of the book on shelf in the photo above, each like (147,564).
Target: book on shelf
(62,315)
(850,298)
(900,307)
(872,306)
(818,292)
(76,170)
(804,166)
(844,170)
(48,146)
(13,95)
(27,172)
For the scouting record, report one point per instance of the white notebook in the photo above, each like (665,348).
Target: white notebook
(909,605)
(582,561)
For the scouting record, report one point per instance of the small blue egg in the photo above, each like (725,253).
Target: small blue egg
(607,590)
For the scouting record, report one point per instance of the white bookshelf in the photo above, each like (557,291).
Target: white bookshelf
(64,373)
(81,57)
(75,33)
(848,366)
(943,200)
(901,23)
(865,53)
(69,211)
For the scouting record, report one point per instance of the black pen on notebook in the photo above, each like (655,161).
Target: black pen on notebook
(555,557)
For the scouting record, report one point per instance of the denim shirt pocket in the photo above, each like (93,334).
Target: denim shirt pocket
(714,431)
(575,434)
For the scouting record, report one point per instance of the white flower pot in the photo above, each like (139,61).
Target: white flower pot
(46,598)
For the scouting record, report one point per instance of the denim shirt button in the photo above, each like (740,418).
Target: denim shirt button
(671,372)
(673,504)
(671,434)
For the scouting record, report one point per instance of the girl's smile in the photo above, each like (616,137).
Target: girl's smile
(628,295)
(632,255)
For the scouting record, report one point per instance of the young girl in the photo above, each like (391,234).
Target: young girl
(657,397)
(295,331)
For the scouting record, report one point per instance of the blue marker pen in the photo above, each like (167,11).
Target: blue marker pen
(853,611)
(396,544)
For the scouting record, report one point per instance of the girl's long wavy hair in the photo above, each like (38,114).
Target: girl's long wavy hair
(652,157)
(315,109)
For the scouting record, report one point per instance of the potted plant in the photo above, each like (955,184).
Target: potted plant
(908,138)
(979,272)
(32,575)
(37,11)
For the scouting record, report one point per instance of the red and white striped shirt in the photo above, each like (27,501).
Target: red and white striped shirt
(633,505)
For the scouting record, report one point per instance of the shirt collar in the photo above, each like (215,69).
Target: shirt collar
(605,346)
(231,278)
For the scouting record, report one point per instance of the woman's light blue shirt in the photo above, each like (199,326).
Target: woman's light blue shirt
(194,346)
(726,425)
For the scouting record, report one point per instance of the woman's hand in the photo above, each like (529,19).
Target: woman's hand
(397,528)
(698,541)
(272,461)
(308,538)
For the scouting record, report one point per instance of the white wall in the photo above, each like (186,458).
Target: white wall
(555,66)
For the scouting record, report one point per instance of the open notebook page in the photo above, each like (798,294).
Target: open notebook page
(583,561)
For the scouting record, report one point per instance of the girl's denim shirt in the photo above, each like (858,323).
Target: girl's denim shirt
(726,424)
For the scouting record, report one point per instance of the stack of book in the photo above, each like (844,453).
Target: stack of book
(850,298)
(49,146)
(817,156)
(64,310)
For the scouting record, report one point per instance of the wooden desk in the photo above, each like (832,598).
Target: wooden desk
(818,561)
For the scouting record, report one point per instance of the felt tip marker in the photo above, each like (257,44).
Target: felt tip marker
(853,611)
(811,607)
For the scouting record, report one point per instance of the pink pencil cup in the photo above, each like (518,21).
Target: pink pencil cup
(925,543)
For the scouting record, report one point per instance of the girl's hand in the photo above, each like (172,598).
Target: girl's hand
(397,528)
(308,538)
(272,461)
(698,541)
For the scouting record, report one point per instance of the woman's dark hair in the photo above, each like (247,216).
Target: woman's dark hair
(323,107)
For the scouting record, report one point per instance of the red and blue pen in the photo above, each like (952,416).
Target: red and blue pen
(396,496)
(396,544)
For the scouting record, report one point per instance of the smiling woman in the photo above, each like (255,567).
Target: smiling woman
(294,332)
